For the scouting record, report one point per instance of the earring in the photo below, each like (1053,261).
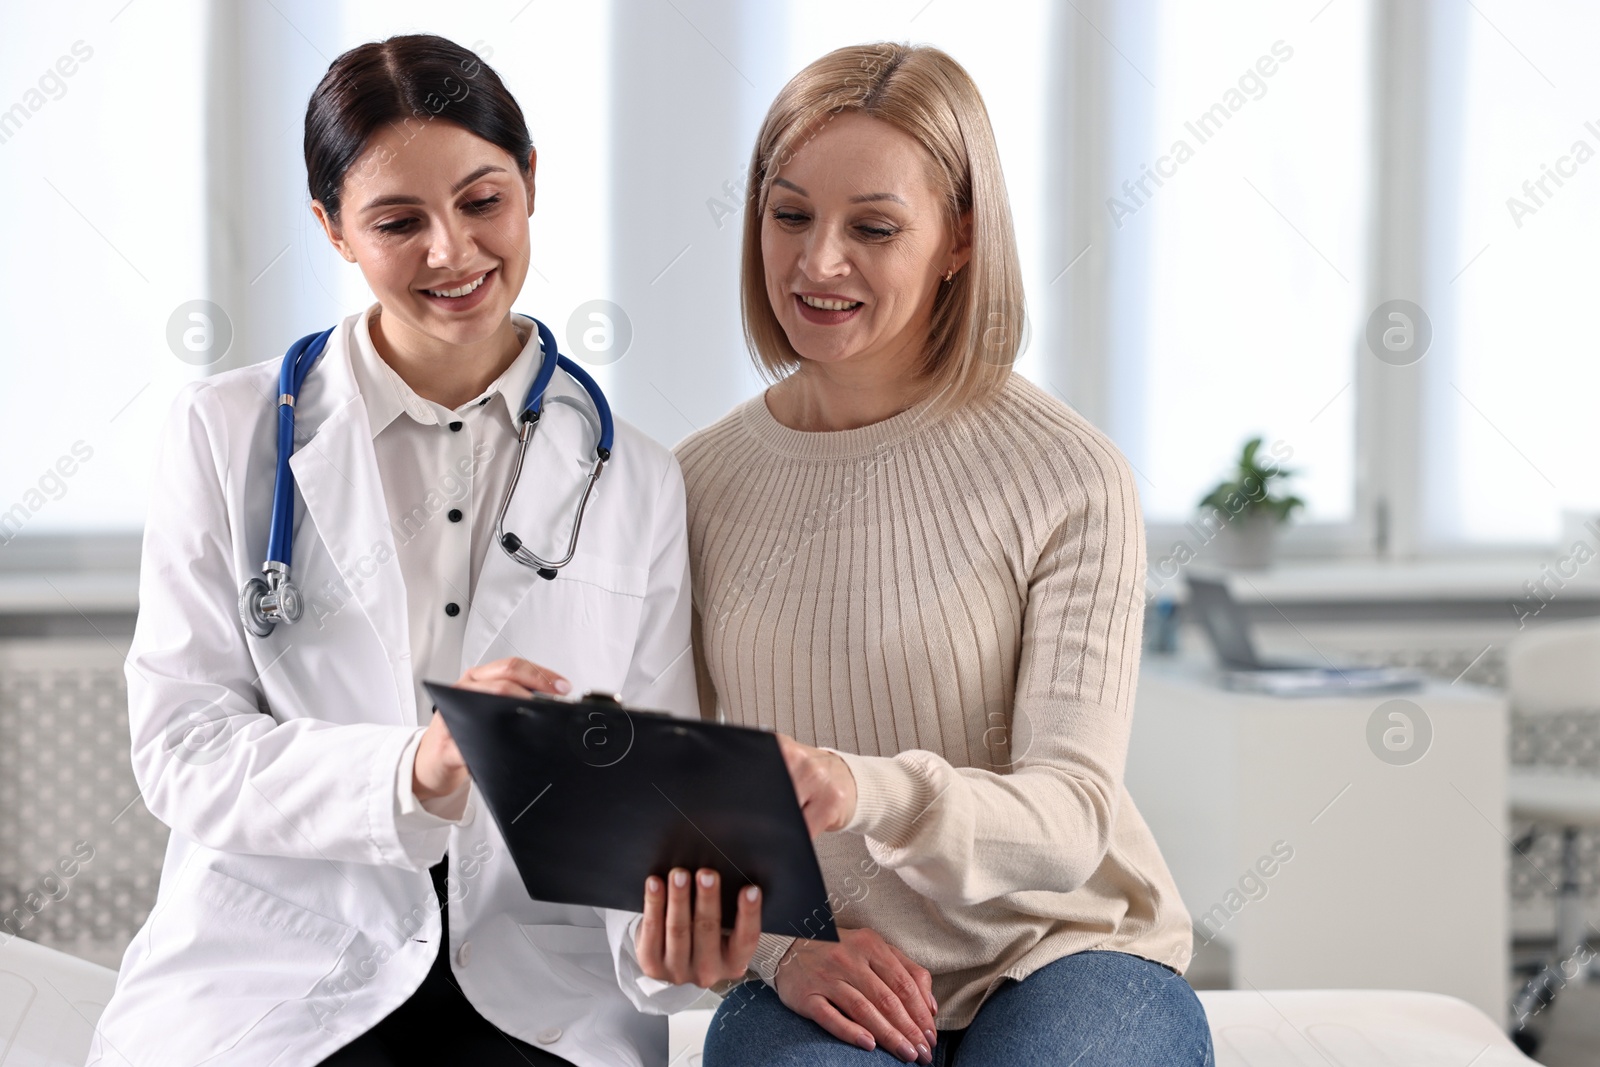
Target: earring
(951,273)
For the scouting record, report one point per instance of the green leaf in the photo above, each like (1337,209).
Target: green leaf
(1253,482)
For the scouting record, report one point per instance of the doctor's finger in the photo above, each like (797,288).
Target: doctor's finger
(678,937)
(539,679)
(483,679)
(746,932)
(652,929)
(707,952)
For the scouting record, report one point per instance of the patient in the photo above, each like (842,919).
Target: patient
(928,573)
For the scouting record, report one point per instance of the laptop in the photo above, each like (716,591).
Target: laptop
(1245,671)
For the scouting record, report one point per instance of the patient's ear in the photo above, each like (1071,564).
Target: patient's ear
(961,242)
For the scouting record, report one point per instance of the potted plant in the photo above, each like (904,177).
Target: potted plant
(1245,512)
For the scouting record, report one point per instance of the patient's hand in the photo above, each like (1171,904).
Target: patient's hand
(862,990)
(680,942)
(822,783)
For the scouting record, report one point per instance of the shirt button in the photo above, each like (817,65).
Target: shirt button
(455,425)
(548,1036)
(455,514)
(452,609)
(464,954)
(482,402)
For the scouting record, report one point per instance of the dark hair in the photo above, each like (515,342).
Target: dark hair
(404,81)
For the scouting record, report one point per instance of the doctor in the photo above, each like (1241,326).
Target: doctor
(310,790)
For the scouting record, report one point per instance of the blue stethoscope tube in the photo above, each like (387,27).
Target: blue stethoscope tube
(263,602)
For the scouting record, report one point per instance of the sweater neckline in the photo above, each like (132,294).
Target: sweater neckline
(773,435)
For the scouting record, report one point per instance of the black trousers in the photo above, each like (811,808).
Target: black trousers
(439,1026)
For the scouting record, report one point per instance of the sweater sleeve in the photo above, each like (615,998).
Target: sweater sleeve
(962,835)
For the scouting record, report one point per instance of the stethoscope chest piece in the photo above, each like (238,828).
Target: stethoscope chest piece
(263,603)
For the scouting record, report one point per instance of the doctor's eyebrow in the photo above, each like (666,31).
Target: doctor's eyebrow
(863,199)
(390,201)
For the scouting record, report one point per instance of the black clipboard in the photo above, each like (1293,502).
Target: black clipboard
(593,797)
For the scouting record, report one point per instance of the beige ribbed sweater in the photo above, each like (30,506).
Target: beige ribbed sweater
(954,603)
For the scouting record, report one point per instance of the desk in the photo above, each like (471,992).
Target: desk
(1398,874)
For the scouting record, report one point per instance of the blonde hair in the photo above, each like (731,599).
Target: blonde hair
(978,317)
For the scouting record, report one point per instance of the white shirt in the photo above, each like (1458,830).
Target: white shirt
(444,473)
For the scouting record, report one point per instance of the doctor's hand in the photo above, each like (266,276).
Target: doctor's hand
(863,991)
(822,783)
(682,942)
(439,769)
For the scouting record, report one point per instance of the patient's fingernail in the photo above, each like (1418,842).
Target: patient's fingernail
(865,1041)
(680,878)
(933,1039)
(923,1054)
(707,879)
(752,894)
(563,686)
(652,885)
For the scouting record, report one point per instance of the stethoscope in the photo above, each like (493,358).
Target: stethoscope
(262,604)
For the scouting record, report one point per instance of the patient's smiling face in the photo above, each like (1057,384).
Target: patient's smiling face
(434,208)
(856,223)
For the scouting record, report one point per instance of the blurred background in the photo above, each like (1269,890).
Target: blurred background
(1362,231)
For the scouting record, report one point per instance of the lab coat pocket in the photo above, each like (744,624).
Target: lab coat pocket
(578,956)
(599,603)
(245,952)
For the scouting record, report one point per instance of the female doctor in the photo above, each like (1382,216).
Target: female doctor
(310,792)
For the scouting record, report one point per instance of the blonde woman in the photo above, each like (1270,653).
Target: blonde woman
(927,574)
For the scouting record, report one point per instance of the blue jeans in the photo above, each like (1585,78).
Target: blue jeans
(1091,1009)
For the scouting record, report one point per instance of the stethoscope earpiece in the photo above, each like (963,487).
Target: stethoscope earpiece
(511,543)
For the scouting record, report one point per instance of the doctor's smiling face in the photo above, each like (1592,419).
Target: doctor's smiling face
(437,219)
(855,239)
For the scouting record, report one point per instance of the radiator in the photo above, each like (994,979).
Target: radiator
(80,856)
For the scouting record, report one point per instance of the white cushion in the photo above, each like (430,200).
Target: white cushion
(49,1002)
(1353,1028)
(1555,667)
(688,1036)
(1558,796)
(47,999)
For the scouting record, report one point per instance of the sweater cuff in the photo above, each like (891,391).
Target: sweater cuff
(891,796)
(769,950)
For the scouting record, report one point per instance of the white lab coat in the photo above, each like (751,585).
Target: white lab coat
(293,914)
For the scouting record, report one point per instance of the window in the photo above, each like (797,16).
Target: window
(102,169)
(1511,403)
(1237,214)
(1193,186)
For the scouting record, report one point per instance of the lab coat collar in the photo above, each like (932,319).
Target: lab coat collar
(336,474)
(387,395)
